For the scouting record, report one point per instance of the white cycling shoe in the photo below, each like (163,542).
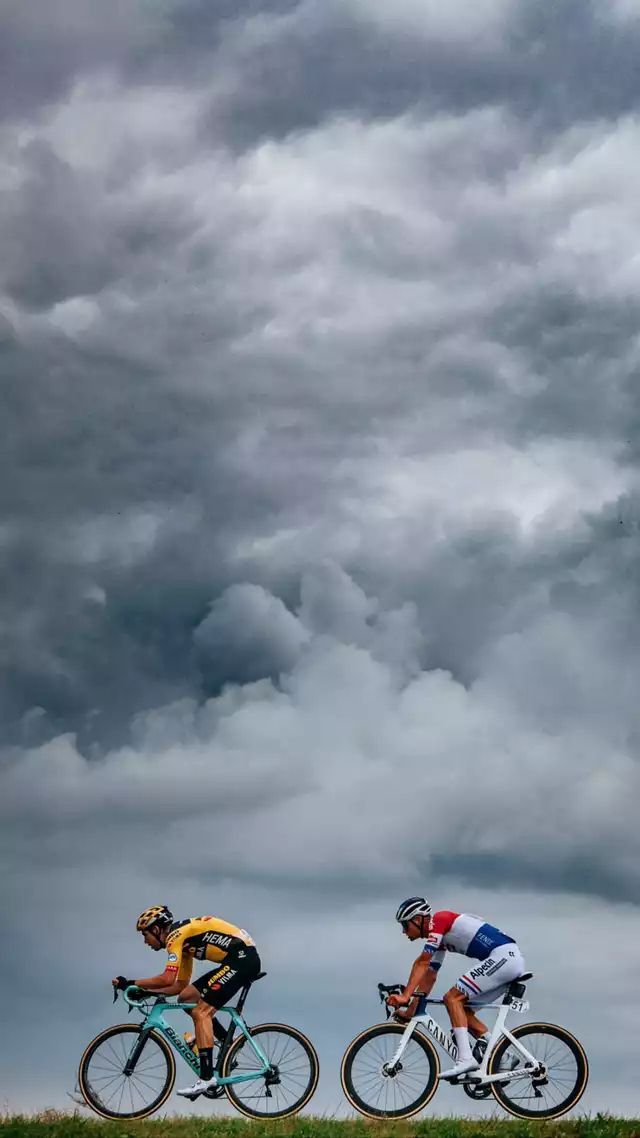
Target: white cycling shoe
(198,1088)
(460,1069)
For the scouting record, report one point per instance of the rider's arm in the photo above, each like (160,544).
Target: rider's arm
(181,977)
(421,978)
(160,984)
(175,976)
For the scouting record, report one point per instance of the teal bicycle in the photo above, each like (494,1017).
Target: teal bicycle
(128,1071)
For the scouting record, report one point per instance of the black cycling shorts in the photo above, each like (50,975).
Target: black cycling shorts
(218,987)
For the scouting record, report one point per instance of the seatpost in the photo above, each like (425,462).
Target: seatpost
(243,995)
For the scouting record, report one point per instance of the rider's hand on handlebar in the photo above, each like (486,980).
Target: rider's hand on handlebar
(398,1001)
(120,983)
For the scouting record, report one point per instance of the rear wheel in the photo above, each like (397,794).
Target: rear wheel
(108,1090)
(288,1084)
(561,1075)
(378,1090)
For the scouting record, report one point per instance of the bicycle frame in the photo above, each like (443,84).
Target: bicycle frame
(154,1021)
(432,1027)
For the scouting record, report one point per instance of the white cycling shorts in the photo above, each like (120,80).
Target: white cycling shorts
(486,980)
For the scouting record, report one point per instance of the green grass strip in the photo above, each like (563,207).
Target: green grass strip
(52,1124)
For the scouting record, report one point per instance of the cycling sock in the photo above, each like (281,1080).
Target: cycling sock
(462,1043)
(206,1062)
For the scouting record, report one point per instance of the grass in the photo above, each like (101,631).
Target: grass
(52,1124)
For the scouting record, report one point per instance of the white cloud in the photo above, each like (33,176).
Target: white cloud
(543,484)
(354,741)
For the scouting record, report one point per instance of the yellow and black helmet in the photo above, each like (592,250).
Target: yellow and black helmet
(155,915)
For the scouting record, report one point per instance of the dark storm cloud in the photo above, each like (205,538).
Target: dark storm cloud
(64,235)
(42,54)
(181,410)
(284,65)
(551,65)
(572,873)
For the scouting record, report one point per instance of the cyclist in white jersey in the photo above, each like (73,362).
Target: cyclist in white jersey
(500,962)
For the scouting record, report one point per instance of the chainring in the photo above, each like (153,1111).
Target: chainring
(476,1092)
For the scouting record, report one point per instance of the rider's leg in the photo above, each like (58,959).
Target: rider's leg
(499,969)
(191,995)
(203,1019)
(487,979)
(213,991)
(455,1002)
(480,1033)
(475,1025)
(202,1016)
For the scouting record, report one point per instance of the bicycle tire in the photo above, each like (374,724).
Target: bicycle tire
(371,1110)
(231,1062)
(91,1094)
(548,1031)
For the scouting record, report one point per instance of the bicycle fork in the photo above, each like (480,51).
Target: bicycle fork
(135,1053)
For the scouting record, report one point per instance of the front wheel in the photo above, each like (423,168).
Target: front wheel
(378,1090)
(108,1090)
(560,1079)
(288,1084)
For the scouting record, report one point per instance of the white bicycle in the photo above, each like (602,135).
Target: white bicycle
(537,1070)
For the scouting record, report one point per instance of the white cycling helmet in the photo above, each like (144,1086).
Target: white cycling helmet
(413,907)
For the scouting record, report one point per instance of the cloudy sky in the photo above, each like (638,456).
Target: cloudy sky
(320,507)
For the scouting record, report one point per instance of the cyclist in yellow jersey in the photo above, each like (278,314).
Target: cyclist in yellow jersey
(236,961)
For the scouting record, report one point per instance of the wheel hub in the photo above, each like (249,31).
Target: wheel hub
(389,1071)
(272,1077)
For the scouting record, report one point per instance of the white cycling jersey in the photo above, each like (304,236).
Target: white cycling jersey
(462,932)
(469,935)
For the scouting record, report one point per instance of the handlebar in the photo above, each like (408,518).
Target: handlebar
(140,1002)
(147,1000)
(135,1001)
(385,990)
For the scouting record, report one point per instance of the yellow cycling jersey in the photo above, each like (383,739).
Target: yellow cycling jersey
(202,938)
